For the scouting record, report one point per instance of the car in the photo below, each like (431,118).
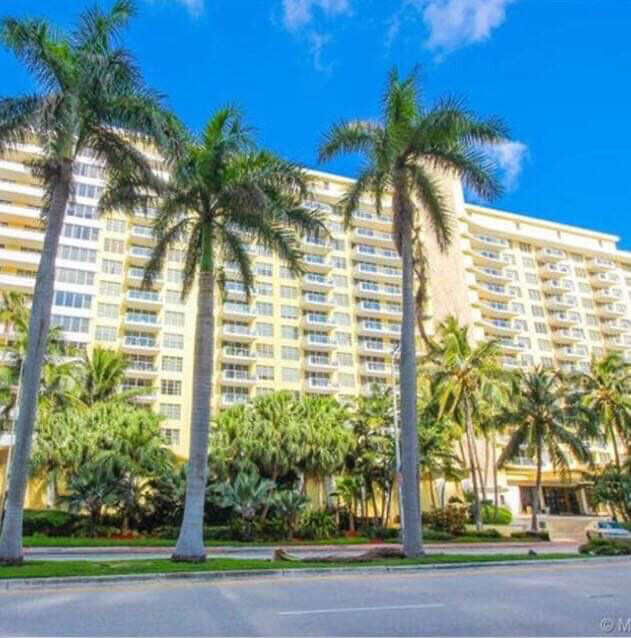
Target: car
(610,530)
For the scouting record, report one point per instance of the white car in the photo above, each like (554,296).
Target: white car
(610,530)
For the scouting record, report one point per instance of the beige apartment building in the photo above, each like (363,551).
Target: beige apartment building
(552,294)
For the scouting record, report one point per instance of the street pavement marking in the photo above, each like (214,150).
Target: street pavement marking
(341,610)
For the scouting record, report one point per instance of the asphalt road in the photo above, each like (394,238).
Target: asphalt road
(539,600)
(113,553)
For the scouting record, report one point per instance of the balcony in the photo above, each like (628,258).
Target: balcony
(611,310)
(139,254)
(136,276)
(231,353)
(144,234)
(494,292)
(603,279)
(238,311)
(320,385)
(143,399)
(483,241)
(20,258)
(316,244)
(17,283)
(141,369)
(562,319)
(320,363)
(369,308)
(501,327)
(376,255)
(368,327)
(235,290)
(377,368)
(510,363)
(318,263)
(24,237)
(139,344)
(560,302)
(554,271)
(372,220)
(569,353)
(144,322)
(144,298)
(317,282)
(317,301)
(608,294)
(556,285)
(370,236)
(550,254)
(315,321)
(615,343)
(372,289)
(228,400)
(319,342)
(20,192)
(238,377)
(492,275)
(377,273)
(599,264)
(374,347)
(242,333)
(612,327)
(17,214)
(566,335)
(488,258)
(510,346)
(497,309)
(367,388)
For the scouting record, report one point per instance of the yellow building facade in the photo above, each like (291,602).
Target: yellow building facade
(553,294)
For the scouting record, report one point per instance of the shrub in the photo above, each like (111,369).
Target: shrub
(451,519)
(317,526)
(433,535)
(491,516)
(50,522)
(530,535)
(378,532)
(484,533)
(606,547)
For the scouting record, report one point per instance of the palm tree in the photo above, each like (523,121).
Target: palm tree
(543,422)
(405,153)
(101,374)
(462,372)
(223,195)
(90,91)
(606,392)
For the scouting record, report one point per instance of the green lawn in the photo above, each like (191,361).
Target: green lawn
(71,541)
(55,569)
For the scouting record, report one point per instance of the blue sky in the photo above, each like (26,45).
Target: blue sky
(558,71)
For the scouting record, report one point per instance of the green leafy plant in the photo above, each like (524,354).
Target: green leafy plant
(317,525)
(606,547)
(451,519)
(498,516)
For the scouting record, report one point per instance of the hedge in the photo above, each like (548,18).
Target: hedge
(491,516)
(50,522)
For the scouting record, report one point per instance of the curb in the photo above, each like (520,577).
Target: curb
(251,574)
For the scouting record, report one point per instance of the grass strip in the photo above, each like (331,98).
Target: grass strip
(60,569)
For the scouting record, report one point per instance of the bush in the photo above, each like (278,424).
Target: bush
(606,547)
(491,516)
(317,526)
(433,535)
(483,533)
(530,535)
(451,519)
(378,532)
(50,522)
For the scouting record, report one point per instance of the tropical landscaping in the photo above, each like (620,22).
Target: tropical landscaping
(283,467)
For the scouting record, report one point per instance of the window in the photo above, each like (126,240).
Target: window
(531,278)
(338,244)
(173,341)
(346,380)
(342,319)
(546,362)
(114,245)
(88,190)
(583,287)
(535,295)
(263,251)
(77,231)
(105,333)
(108,310)
(580,272)
(175,276)
(528,262)
(71,324)
(537,311)
(72,299)
(265,350)
(288,353)
(587,303)
(291,375)
(520,324)
(171,387)
(343,339)
(171,410)
(289,312)
(174,319)
(172,364)
(285,273)
(174,297)
(263,269)
(265,373)
(541,328)
(514,291)
(527,360)
(264,329)
(525,248)
(341,300)
(76,253)
(518,307)
(110,288)
(594,335)
(264,288)
(115,225)
(289,332)
(513,274)
(111,267)
(340,281)
(338,262)
(544,344)
(176,255)
(82,211)
(264,309)
(74,276)
(591,320)
(345,359)
(288,292)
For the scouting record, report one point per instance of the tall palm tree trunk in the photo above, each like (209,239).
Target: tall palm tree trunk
(412,541)
(614,442)
(190,543)
(496,491)
(470,444)
(534,526)
(478,467)
(11,537)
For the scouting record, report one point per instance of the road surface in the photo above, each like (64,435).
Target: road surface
(530,600)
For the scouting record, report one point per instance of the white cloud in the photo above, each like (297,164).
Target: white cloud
(510,157)
(452,24)
(317,42)
(194,7)
(297,14)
